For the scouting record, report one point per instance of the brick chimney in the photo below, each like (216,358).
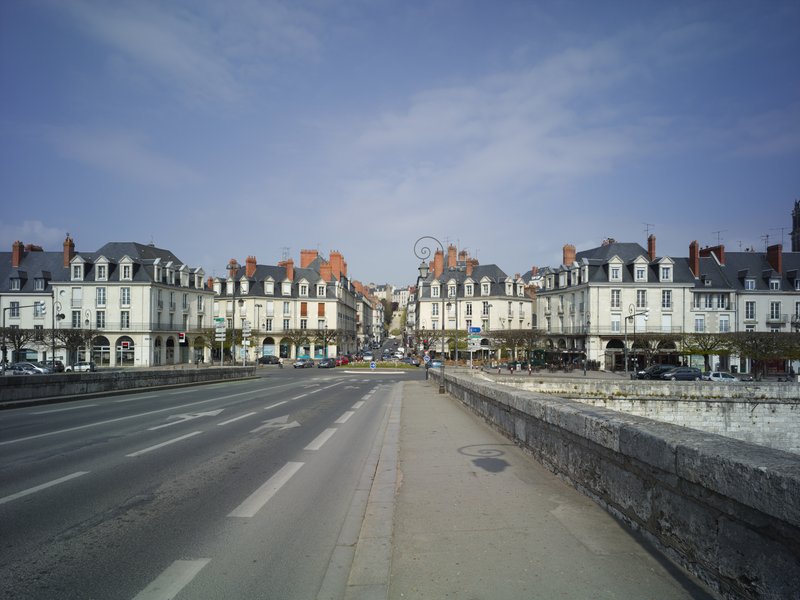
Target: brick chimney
(307,257)
(210,283)
(451,257)
(718,251)
(438,264)
(17,250)
(337,264)
(534,271)
(69,250)
(775,257)
(325,271)
(289,264)
(250,266)
(651,246)
(694,258)
(569,254)
(469,268)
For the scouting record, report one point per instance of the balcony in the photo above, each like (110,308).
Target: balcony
(775,319)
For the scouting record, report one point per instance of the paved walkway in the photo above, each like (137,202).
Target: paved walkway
(475,517)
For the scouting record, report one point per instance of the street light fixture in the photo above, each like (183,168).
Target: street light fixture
(633,313)
(586,345)
(233,270)
(423,252)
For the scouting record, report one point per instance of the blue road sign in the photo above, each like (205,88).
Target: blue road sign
(474,329)
(372,365)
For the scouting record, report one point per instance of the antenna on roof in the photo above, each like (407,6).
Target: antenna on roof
(719,235)
(285,252)
(647,227)
(781,229)
(765,238)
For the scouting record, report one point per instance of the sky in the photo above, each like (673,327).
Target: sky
(222,130)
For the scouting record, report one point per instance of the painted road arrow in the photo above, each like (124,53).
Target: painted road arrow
(186,417)
(277,423)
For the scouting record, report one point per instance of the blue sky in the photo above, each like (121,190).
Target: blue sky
(220,130)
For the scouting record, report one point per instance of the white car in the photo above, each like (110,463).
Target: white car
(81,367)
(367,356)
(720,377)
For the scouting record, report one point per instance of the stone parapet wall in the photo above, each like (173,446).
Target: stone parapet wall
(35,387)
(726,510)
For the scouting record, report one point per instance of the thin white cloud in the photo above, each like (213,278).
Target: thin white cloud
(121,153)
(30,232)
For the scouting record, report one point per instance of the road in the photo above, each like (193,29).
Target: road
(234,490)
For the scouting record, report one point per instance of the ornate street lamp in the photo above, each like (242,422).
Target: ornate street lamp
(423,252)
(233,270)
(632,316)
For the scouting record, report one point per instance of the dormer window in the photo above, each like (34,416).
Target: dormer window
(469,289)
(303,290)
(451,290)
(666,273)
(509,289)
(245,287)
(126,272)
(77,272)
(774,284)
(269,288)
(641,274)
(16,284)
(102,272)
(485,289)
(38,285)
(797,285)
(615,273)
(749,284)
(321,291)
(286,288)
(435,291)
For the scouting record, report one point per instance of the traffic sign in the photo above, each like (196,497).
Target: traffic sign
(372,365)
(474,329)
(426,358)
(472,336)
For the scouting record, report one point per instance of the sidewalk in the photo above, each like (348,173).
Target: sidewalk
(475,517)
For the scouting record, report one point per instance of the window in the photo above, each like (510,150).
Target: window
(125,296)
(269,324)
(435,310)
(468,289)
(303,323)
(125,319)
(469,308)
(435,291)
(14,309)
(640,271)
(699,323)
(708,298)
(200,306)
(616,273)
(101,272)
(38,285)
(722,301)
(797,309)
(750,310)
(666,298)
(724,324)
(15,284)
(749,284)
(100,319)
(615,298)
(615,323)
(469,324)
(451,291)
(774,284)
(774,310)
(126,272)
(666,273)
(39,310)
(77,272)
(304,309)
(269,288)
(76,319)
(100,295)
(286,288)
(286,324)
(641,298)
(321,291)
(510,310)
(286,308)
(485,308)
(303,289)
(485,289)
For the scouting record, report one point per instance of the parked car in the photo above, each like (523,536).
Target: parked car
(56,366)
(36,368)
(80,367)
(683,374)
(20,369)
(411,360)
(303,363)
(720,377)
(367,356)
(326,363)
(654,371)
(435,364)
(269,360)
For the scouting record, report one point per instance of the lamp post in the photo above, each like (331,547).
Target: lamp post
(586,345)
(258,326)
(632,314)
(87,321)
(423,252)
(233,270)
(57,315)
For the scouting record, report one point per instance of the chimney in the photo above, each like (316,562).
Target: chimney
(325,271)
(569,254)
(438,264)
(469,268)
(534,271)
(307,257)
(451,257)
(718,251)
(289,264)
(250,266)
(651,246)
(775,257)
(694,258)
(462,256)
(210,283)
(17,249)
(232,271)
(69,250)
(337,263)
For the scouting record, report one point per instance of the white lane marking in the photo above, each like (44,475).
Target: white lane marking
(175,393)
(321,439)
(172,580)
(187,417)
(344,417)
(135,398)
(261,496)
(358,405)
(276,404)
(41,487)
(250,414)
(278,422)
(300,396)
(107,421)
(56,410)
(162,444)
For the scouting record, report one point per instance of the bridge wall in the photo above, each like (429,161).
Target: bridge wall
(726,510)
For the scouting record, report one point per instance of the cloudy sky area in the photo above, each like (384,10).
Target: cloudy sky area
(220,130)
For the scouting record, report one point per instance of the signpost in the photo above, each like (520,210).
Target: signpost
(219,335)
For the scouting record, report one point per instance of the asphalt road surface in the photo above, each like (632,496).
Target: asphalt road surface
(233,490)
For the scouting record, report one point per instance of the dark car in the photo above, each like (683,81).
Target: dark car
(654,371)
(683,374)
(303,363)
(326,363)
(269,360)
(56,366)
(411,360)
